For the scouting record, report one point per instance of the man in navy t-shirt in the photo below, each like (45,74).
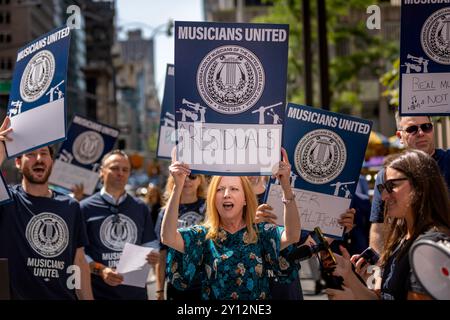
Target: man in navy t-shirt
(414,133)
(42,233)
(114,218)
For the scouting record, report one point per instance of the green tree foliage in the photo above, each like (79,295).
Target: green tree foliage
(364,50)
(391,81)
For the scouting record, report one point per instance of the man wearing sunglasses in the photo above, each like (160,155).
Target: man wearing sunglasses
(414,133)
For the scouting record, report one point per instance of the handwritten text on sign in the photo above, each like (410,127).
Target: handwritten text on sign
(316,209)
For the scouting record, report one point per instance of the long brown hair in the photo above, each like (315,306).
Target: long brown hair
(430,202)
(212,220)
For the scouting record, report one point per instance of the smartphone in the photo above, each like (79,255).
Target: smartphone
(370,256)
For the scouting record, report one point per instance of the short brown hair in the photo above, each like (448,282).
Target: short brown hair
(114,152)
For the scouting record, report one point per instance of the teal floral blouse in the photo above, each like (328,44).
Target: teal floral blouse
(230,268)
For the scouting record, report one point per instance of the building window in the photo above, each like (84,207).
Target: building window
(8,38)
(2,37)
(9,64)
(8,18)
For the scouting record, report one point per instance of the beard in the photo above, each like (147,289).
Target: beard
(29,175)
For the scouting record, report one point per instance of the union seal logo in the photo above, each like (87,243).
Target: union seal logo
(88,147)
(117,230)
(189,219)
(47,234)
(435,36)
(37,76)
(320,156)
(230,79)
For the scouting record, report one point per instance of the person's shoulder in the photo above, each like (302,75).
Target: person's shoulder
(441,154)
(136,202)
(93,199)
(435,234)
(65,199)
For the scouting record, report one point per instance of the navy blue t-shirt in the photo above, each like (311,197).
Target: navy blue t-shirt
(189,214)
(442,158)
(39,236)
(109,227)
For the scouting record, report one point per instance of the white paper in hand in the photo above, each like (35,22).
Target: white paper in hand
(133,265)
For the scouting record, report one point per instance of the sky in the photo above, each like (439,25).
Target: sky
(151,14)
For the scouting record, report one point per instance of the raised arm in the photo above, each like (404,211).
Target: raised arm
(170,236)
(5,129)
(292,226)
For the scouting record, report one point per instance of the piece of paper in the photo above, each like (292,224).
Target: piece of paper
(133,265)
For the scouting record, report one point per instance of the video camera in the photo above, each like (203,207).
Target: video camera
(326,258)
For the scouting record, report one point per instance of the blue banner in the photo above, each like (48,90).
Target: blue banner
(37,93)
(230,94)
(326,151)
(166,136)
(425,58)
(79,157)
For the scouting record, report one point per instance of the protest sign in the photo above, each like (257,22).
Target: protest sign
(79,157)
(425,58)
(326,151)
(230,92)
(37,98)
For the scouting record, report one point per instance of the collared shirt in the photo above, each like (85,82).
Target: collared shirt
(110,199)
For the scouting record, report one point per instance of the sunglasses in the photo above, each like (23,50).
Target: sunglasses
(425,127)
(192,176)
(389,185)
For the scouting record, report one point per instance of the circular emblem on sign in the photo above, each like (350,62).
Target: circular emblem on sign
(117,230)
(435,36)
(230,79)
(189,219)
(320,156)
(47,234)
(88,147)
(37,76)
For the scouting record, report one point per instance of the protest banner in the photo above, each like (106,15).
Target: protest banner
(79,157)
(166,136)
(230,94)
(37,99)
(326,151)
(425,58)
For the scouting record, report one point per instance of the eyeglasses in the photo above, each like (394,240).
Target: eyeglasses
(425,127)
(389,185)
(192,176)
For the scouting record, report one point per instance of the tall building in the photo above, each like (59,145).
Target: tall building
(20,22)
(76,82)
(138,114)
(99,72)
(234,10)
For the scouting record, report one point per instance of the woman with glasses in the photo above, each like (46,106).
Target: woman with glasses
(231,254)
(191,211)
(416,207)
(414,132)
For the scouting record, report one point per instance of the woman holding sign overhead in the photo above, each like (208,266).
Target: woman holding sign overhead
(233,255)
